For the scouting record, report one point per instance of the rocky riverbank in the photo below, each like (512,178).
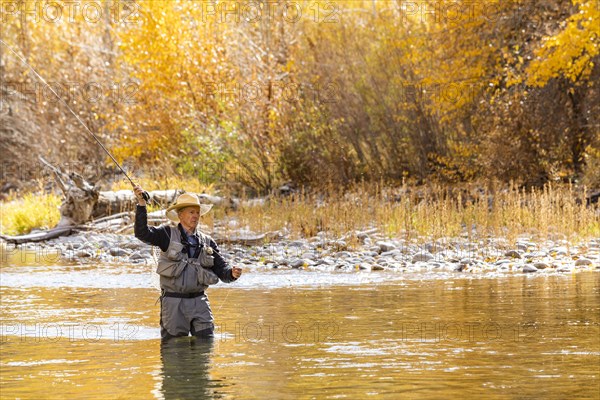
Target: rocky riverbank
(370,251)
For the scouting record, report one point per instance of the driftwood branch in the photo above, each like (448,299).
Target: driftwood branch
(80,197)
(38,236)
(115,216)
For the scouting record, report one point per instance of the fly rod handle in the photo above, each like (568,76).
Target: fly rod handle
(145,195)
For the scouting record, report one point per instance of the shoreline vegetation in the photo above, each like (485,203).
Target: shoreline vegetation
(423,213)
(426,230)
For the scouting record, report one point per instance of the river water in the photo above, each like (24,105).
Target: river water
(91,331)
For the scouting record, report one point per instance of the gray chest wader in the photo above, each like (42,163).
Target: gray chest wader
(184,306)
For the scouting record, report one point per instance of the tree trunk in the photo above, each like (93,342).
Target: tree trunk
(580,137)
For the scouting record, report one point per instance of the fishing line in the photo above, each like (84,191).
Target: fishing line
(145,194)
(224,301)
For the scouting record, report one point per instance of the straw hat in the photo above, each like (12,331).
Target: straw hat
(186,200)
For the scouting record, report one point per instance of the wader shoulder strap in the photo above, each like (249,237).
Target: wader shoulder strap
(204,239)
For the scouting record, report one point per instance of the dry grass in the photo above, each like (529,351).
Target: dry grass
(408,213)
(431,213)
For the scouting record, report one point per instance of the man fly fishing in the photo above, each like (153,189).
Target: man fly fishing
(189,262)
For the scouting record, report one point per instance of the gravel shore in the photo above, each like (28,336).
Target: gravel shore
(373,252)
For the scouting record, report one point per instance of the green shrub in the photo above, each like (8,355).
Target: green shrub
(32,211)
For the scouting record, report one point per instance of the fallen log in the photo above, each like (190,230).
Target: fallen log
(110,217)
(39,236)
(110,203)
(219,201)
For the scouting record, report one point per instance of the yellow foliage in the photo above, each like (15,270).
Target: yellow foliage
(353,90)
(32,211)
(569,52)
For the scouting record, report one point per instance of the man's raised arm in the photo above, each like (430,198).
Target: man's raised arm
(150,235)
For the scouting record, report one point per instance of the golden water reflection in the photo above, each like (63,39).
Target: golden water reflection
(513,337)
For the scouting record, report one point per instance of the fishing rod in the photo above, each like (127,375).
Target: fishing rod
(145,194)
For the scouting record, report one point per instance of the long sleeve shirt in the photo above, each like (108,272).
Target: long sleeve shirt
(160,236)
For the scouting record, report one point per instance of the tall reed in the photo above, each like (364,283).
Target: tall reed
(433,212)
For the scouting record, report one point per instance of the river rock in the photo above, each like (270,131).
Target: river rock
(318,262)
(529,268)
(375,249)
(136,256)
(133,245)
(104,243)
(371,254)
(521,247)
(73,246)
(117,252)
(541,265)
(513,254)
(73,239)
(583,262)
(536,254)
(83,254)
(362,235)
(467,261)
(386,246)
(299,263)
(459,267)
(422,256)
(559,251)
(433,247)
(392,253)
